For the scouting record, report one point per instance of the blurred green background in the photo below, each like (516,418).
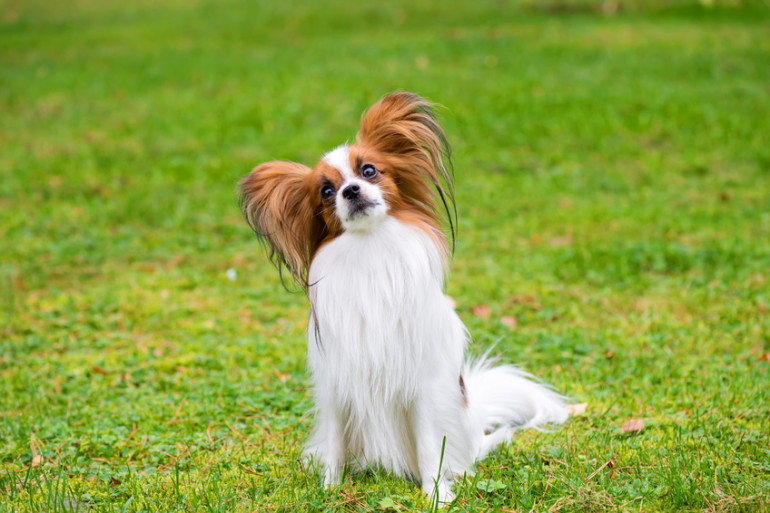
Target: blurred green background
(612,167)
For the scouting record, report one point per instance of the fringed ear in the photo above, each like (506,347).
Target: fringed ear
(275,202)
(404,126)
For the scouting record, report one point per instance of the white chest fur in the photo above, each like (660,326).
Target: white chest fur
(383,339)
(379,307)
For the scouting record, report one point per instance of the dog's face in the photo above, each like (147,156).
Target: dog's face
(394,169)
(355,188)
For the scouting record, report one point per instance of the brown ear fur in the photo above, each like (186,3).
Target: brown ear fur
(274,201)
(404,126)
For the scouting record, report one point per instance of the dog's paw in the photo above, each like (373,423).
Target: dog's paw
(331,476)
(441,491)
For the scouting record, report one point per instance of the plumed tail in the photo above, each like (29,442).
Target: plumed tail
(503,399)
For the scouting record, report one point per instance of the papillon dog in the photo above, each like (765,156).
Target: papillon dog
(361,233)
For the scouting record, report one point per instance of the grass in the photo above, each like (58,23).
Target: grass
(613,185)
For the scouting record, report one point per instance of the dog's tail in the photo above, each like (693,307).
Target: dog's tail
(502,399)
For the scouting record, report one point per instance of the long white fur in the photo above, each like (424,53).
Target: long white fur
(386,351)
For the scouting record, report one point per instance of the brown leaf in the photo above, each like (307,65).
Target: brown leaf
(481,311)
(114,482)
(610,354)
(175,261)
(36,460)
(765,357)
(509,321)
(239,259)
(576,409)
(10,16)
(98,370)
(632,426)
(530,301)
(561,242)
(20,284)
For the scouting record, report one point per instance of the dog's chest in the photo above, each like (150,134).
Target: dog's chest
(377,275)
(376,298)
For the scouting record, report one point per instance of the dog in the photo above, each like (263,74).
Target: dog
(361,233)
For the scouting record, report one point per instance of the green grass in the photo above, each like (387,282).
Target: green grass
(613,187)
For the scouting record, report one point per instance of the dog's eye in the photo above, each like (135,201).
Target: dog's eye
(327,191)
(368,171)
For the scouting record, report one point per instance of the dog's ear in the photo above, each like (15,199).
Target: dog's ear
(403,126)
(274,199)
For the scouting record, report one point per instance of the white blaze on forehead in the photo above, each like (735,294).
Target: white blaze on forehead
(339,158)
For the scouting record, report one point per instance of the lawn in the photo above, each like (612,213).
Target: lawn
(612,166)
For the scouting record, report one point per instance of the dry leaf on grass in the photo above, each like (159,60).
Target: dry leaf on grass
(98,370)
(576,409)
(508,321)
(530,301)
(481,311)
(632,426)
(283,378)
(561,242)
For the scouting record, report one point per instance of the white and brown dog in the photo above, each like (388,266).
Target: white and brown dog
(361,233)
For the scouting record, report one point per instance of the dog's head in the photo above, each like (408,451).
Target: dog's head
(396,168)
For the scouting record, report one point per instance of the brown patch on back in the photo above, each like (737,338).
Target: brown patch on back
(463,392)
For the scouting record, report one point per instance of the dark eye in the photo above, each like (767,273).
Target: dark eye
(327,191)
(368,171)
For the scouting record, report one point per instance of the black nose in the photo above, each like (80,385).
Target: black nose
(351,192)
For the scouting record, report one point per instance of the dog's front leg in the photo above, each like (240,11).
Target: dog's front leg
(327,446)
(431,453)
